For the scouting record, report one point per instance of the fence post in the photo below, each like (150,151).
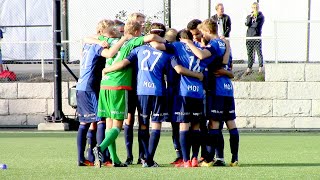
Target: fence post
(42,60)
(308,31)
(275,42)
(209,8)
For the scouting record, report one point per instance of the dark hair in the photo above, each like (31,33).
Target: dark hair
(158,28)
(118,23)
(184,34)
(193,24)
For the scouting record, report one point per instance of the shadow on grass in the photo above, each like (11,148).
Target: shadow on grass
(280,165)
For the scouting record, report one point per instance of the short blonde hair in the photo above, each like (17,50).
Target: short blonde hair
(135,16)
(104,25)
(171,35)
(208,25)
(131,27)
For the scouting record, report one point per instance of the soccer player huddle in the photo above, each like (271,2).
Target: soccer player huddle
(182,77)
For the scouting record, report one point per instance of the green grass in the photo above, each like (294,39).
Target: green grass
(33,155)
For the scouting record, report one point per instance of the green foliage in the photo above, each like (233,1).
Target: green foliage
(52,155)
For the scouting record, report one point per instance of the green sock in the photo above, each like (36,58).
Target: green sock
(113,153)
(111,136)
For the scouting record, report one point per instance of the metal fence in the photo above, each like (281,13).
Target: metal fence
(31,56)
(286,47)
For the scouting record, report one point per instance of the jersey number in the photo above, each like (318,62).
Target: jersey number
(196,68)
(144,67)
(85,61)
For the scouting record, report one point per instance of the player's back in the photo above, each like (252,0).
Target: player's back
(91,65)
(217,48)
(190,86)
(121,79)
(224,85)
(152,64)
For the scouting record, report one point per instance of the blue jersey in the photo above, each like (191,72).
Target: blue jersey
(151,65)
(190,86)
(91,66)
(172,78)
(224,85)
(217,48)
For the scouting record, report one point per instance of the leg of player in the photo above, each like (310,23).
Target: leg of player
(128,136)
(101,129)
(153,144)
(144,135)
(128,126)
(109,142)
(81,144)
(185,147)
(213,136)
(176,143)
(219,150)
(234,142)
(91,141)
(195,137)
(203,142)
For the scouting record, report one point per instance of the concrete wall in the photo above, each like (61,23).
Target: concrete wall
(289,98)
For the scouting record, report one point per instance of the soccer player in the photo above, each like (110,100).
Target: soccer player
(224,103)
(216,112)
(201,42)
(132,105)
(96,133)
(189,103)
(87,88)
(113,92)
(172,90)
(120,26)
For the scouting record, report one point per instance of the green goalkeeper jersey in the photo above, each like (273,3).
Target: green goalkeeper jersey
(121,79)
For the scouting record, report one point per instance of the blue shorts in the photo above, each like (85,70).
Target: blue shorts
(187,109)
(87,105)
(170,105)
(154,106)
(132,101)
(221,108)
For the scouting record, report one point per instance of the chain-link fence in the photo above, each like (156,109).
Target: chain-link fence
(27,46)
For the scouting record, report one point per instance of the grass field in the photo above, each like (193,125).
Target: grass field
(34,155)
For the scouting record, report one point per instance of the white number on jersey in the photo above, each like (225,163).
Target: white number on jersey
(196,68)
(84,61)
(145,67)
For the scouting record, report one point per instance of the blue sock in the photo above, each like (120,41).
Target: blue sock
(141,151)
(220,146)
(81,140)
(234,144)
(144,138)
(128,136)
(101,128)
(91,140)
(195,143)
(175,139)
(213,141)
(153,143)
(203,138)
(185,148)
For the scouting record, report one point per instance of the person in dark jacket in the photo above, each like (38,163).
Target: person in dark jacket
(223,21)
(254,22)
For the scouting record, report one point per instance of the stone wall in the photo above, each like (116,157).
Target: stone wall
(289,98)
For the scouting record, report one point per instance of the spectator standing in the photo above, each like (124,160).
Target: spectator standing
(223,21)
(254,22)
